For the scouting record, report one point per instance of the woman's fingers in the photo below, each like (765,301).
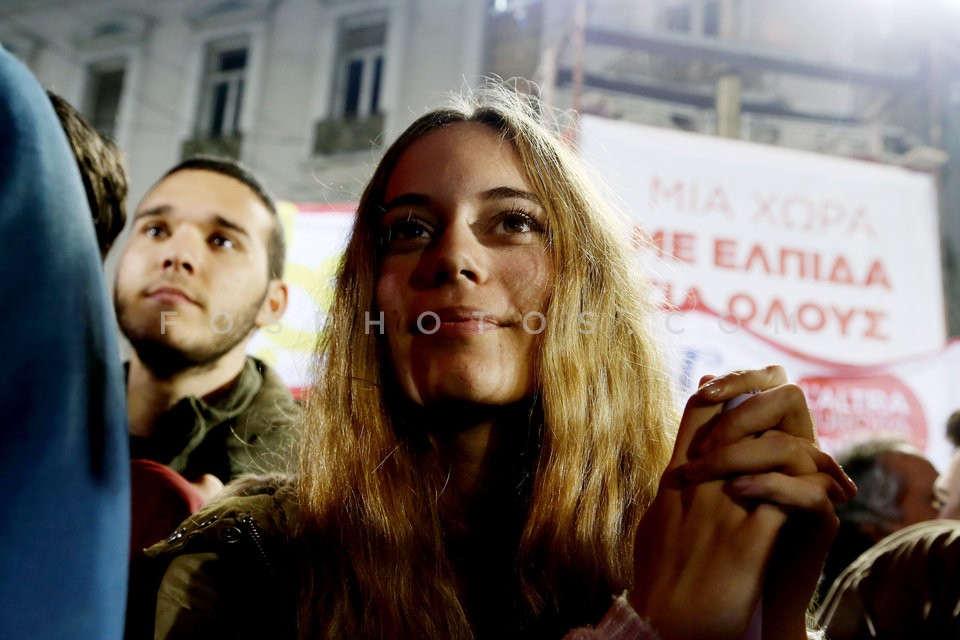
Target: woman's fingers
(695,423)
(774,451)
(774,404)
(813,494)
(783,408)
(729,385)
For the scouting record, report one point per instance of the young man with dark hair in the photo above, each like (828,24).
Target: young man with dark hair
(101,169)
(198,276)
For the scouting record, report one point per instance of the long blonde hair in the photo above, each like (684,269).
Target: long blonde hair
(603,422)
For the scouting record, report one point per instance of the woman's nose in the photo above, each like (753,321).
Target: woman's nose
(457,254)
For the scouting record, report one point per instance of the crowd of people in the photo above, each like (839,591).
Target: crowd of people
(475,480)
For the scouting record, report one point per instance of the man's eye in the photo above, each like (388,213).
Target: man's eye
(222,242)
(154,230)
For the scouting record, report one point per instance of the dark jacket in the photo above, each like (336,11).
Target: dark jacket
(244,429)
(227,570)
(230,571)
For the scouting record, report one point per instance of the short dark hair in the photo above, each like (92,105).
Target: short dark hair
(276,246)
(102,170)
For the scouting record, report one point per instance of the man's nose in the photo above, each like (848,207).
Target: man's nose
(180,254)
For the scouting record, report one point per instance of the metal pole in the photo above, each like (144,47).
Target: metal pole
(579,51)
(727,99)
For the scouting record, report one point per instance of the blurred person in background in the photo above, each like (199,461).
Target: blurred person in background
(102,170)
(896,485)
(948,484)
(903,587)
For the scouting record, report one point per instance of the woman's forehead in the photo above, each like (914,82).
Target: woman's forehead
(460,156)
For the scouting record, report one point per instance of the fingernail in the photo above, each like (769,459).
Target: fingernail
(852,489)
(742,485)
(711,389)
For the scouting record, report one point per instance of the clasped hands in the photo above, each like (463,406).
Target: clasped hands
(744,510)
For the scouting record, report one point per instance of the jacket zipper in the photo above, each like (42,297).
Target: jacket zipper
(251,526)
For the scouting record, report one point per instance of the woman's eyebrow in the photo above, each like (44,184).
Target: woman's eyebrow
(496,193)
(407,199)
(503,193)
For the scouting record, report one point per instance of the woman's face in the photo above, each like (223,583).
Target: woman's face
(465,274)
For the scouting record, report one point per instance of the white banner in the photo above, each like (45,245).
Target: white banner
(830,257)
(910,399)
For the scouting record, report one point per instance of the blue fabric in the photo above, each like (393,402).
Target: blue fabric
(64,472)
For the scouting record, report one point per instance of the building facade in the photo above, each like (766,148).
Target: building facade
(306,92)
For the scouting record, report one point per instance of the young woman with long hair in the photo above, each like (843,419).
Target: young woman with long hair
(491,448)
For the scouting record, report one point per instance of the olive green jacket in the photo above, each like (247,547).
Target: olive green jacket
(225,571)
(244,429)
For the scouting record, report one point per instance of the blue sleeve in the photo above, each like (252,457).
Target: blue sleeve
(64,469)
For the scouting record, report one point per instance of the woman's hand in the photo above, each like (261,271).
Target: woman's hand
(766,448)
(699,555)
(703,548)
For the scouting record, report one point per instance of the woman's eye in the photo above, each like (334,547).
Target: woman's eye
(406,229)
(519,222)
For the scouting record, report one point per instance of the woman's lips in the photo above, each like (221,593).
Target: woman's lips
(455,321)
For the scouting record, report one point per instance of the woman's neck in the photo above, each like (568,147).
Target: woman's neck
(479,444)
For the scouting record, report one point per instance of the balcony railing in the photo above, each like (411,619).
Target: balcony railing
(226,146)
(342,135)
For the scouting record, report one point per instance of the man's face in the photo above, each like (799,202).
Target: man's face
(192,280)
(917,500)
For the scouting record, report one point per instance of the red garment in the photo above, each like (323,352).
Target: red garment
(161,499)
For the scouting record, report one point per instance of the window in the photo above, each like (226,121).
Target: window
(711,18)
(699,17)
(360,68)
(101,102)
(355,119)
(678,18)
(221,99)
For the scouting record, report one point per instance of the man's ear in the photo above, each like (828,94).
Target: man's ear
(274,304)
